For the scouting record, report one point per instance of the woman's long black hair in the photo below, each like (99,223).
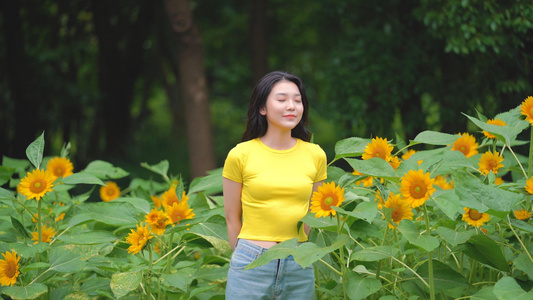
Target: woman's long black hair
(257,124)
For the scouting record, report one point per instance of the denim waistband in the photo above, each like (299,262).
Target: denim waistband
(247,244)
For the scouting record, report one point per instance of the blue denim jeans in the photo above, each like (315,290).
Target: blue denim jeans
(279,279)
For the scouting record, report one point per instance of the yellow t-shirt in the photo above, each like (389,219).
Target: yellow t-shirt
(276,187)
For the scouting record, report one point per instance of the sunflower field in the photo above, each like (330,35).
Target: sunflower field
(443,216)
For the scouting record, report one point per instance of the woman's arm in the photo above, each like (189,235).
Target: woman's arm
(232,209)
(307,228)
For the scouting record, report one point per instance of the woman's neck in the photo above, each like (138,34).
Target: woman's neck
(278,140)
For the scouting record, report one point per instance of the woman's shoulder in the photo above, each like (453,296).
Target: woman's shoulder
(243,147)
(312,147)
(315,150)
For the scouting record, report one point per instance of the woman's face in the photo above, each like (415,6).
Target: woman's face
(283,108)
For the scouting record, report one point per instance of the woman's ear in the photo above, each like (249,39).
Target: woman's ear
(263,111)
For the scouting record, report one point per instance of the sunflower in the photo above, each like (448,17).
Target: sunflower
(400,209)
(441,182)
(527,109)
(378,148)
(529,185)
(490,162)
(36,184)
(156,200)
(178,212)
(493,122)
(158,221)
(138,238)
(60,167)
(498,180)
(394,162)
(324,198)
(109,191)
(466,144)
(474,217)
(60,217)
(9,268)
(522,214)
(416,187)
(379,200)
(46,235)
(408,154)
(367,182)
(157,247)
(169,197)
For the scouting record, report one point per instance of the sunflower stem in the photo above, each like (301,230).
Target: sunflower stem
(518,161)
(149,285)
(519,239)
(378,269)
(430,260)
(341,257)
(331,267)
(25,207)
(529,167)
(39,230)
(169,261)
(35,279)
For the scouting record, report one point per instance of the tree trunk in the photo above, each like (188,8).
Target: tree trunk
(24,99)
(259,39)
(189,57)
(120,61)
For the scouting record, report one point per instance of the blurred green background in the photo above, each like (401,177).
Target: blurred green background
(104,74)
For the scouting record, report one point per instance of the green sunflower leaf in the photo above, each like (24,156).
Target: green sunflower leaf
(506,133)
(350,147)
(508,288)
(32,291)
(35,151)
(123,283)
(161,168)
(435,138)
(20,228)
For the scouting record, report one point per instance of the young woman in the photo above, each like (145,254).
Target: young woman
(268,180)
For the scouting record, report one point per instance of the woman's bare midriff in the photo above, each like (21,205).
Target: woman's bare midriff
(264,244)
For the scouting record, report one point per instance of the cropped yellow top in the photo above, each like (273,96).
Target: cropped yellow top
(276,187)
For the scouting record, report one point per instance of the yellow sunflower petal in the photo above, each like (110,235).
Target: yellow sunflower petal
(379,147)
(178,212)
(109,191)
(60,167)
(46,235)
(36,184)
(522,214)
(9,268)
(326,196)
(474,217)
(466,143)
(490,162)
(400,209)
(493,122)
(529,185)
(138,238)
(526,108)
(416,187)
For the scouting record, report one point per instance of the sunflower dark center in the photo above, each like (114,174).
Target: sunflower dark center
(37,186)
(418,190)
(396,214)
(474,214)
(110,192)
(328,201)
(10,269)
